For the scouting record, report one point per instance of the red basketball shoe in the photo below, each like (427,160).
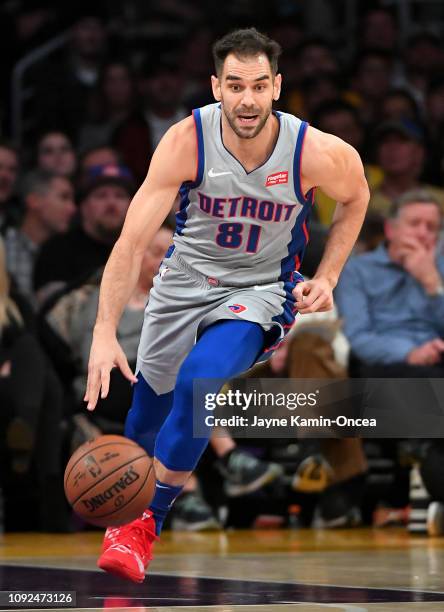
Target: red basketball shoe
(126,550)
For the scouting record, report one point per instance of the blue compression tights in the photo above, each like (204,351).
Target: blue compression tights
(163,424)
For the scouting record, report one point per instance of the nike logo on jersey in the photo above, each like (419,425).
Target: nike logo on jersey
(262,287)
(213,174)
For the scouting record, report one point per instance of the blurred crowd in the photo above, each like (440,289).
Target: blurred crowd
(91,114)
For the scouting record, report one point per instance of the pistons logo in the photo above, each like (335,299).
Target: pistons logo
(237,308)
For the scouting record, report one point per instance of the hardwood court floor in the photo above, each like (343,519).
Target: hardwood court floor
(244,571)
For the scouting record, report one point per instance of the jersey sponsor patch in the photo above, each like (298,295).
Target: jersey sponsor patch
(278,178)
(237,308)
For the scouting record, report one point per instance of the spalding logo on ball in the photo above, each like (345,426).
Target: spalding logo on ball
(109,481)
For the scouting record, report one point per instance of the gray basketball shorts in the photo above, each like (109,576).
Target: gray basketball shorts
(183,302)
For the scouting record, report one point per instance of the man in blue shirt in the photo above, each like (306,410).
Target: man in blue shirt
(392,299)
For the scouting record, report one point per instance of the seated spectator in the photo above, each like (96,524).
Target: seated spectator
(31,400)
(312,63)
(400,152)
(161,85)
(195,62)
(341,119)
(49,206)
(392,304)
(315,56)
(378,29)
(55,153)
(423,59)
(371,81)
(288,32)
(392,299)
(66,81)
(111,103)
(82,250)
(317,90)
(102,155)
(114,119)
(9,165)
(400,104)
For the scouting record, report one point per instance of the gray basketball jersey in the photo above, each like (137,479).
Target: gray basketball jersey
(244,228)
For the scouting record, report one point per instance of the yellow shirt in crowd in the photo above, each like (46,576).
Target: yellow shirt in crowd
(325,206)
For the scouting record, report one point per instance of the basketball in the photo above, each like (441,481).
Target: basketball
(109,481)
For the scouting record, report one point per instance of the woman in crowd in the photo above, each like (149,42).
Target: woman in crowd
(115,120)
(55,154)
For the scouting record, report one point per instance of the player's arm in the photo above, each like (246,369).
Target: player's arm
(173,162)
(334,166)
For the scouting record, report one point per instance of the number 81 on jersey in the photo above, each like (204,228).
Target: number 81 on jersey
(231,236)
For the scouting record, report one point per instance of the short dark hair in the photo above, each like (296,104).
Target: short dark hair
(413,196)
(313,41)
(55,130)
(402,92)
(382,54)
(247,42)
(97,147)
(332,107)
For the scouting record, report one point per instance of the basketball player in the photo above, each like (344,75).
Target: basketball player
(229,287)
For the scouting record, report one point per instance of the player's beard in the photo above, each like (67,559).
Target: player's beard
(245,132)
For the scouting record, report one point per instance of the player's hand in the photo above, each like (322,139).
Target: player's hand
(419,262)
(106,353)
(427,354)
(315,295)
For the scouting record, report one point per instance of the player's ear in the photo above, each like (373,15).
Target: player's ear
(277,86)
(215,85)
